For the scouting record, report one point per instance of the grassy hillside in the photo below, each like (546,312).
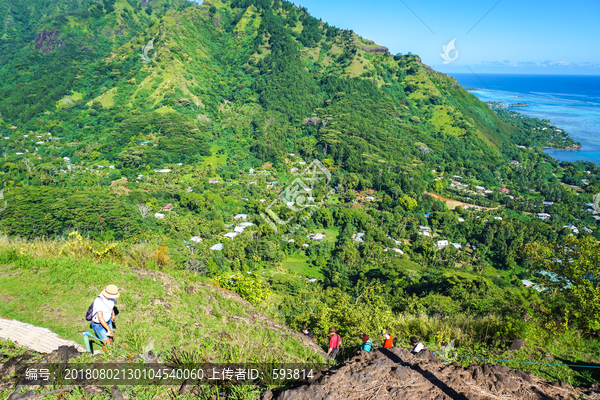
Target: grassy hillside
(176,310)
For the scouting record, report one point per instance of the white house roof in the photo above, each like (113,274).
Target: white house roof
(396,250)
(527,283)
(358,237)
(238,229)
(159,215)
(196,239)
(318,236)
(230,235)
(218,246)
(242,216)
(246,224)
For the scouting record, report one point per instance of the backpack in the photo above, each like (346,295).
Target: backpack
(367,346)
(89,315)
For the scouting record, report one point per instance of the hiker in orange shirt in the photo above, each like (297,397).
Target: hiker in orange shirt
(389,341)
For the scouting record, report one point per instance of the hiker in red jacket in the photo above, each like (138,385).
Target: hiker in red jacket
(389,341)
(335,341)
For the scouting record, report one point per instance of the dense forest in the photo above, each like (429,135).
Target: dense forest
(171,123)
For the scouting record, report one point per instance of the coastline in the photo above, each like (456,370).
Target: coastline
(574,111)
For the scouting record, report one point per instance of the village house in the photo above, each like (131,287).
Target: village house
(543,216)
(231,235)
(241,216)
(458,246)
(168,207)
(515,162)
(441,244)
(573,228)
(196,239)
(217,246)
(318,237)
(358,237)
(159,216)
(504,190)
(395,250)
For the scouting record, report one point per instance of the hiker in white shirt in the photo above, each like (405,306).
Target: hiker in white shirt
(104,314)
(418,346)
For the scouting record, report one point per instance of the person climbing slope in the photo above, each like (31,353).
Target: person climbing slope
(417,346)
(367,344)
(308,334)
(335,341)
(389,341)
(103,311)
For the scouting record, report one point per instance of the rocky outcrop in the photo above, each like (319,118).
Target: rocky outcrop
(380,49)
(47,41)
(397,374)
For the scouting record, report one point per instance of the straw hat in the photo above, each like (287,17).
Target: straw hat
(111,292)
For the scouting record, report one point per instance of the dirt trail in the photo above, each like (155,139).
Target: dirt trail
(452,204)
(397,374)
(33,337)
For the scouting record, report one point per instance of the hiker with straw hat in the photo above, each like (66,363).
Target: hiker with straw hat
(104,314)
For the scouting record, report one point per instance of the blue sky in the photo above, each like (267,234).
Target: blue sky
(525,36)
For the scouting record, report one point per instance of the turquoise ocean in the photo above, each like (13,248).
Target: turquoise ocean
(571,102)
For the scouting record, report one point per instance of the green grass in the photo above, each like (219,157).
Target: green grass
(299,263)
(330,234)
(215,160)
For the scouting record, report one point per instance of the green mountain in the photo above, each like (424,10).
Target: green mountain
(268,76)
